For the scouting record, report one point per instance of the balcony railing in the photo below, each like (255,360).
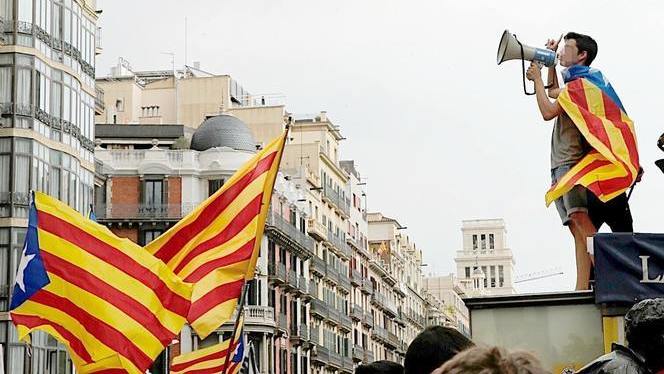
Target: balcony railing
(367,286)
(259,315)
(321,355)
(314,335)
(356,312)
(316,229)
(318,265)
(347,364)
(355,277)
(380,333)
(292,279)
(139,211)
(392,339)
(303,285)
(358,353)
(339,243)
(368,321)
(100,106)
(334,316)
(382,302)
(346,322)
(342,204)
(335,360)
(333,274)
(283,322)
(320,308)
(344,282)
(368,356)
(276,272)
(277,223)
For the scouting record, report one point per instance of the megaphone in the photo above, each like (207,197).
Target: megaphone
(510,48)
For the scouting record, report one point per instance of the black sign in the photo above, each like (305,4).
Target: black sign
(628,267)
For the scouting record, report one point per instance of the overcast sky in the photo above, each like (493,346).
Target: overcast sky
(440,131)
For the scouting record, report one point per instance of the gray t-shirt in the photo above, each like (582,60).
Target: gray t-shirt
(567,143)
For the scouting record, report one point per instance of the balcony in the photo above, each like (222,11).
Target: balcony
(299,334)
(356,312)
(392,340)
(276,273)
(100,106)
(126,212)
(316,229)
(358,353)
(291,278)
(338,244)
(346,323)
(282,322)
(259,315)
(320,355)
(335,360)
(367,287)
(303,286)
(334,316)
(347,365)
(378,265)
(368,356)
(314,335)
(368,321)
(344,283)
(318,266)
(320,308)
(287,233)
(379,333)
(355,277)
(313,178)
(333,275)
(333,197)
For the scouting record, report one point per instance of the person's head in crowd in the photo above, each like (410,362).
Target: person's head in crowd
(492,360)
(644,331)
(380,367)
(432,348)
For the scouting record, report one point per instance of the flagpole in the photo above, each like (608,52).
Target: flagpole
(240,310)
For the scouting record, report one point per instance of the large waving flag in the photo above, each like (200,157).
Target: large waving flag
(114,305)
(216,246)
(212,360)
(594,107)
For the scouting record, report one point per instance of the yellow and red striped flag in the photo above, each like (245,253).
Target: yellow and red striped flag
(612,166)
(216,245)
(212,360)
(114,305)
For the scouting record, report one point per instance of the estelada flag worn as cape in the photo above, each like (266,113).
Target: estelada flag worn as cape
(612,165)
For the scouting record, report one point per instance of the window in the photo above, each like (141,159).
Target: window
(501,276)
(5,84)
(493,276)
(152,192)
(150,235)
(483,241)
(467,272)
(486,276)
(491,242)
(474,242)
(214,185)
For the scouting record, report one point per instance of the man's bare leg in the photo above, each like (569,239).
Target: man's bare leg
(582,228)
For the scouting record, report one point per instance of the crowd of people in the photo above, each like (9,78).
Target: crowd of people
(444,350)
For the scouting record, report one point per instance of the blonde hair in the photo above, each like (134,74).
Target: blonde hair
(492,360)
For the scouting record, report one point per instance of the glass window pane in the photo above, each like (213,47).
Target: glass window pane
(25,10)
(5,84)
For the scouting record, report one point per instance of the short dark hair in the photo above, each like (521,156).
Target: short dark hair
(380,367)
(585,44)
(432,348)
(644,331)
(480,360)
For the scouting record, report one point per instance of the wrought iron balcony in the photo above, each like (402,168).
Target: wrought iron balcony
(368,320)
(356,312)
(346,323)
(335,360)
(367,286)
(358,353)
(347,364)
(291,279)
(355,277)
(303,285)
(299,333)
(320,308)
(334,316)
(333,197)
(318,265)
(338,243)
(276,272)
(333,274)
(368,356)
(392,340)
(282,323)
(320,355)
(344,283)
(287,232)
(380,334)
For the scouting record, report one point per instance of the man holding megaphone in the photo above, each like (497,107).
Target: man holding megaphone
(593,145)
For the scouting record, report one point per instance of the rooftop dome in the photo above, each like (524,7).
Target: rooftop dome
(223,130)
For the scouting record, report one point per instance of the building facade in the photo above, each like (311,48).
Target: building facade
(448,290)
(485,248)
(48,102)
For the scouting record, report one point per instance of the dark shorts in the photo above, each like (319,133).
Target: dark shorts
(614,213)
(575,200)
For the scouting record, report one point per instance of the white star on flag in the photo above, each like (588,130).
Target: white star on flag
(25,260)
